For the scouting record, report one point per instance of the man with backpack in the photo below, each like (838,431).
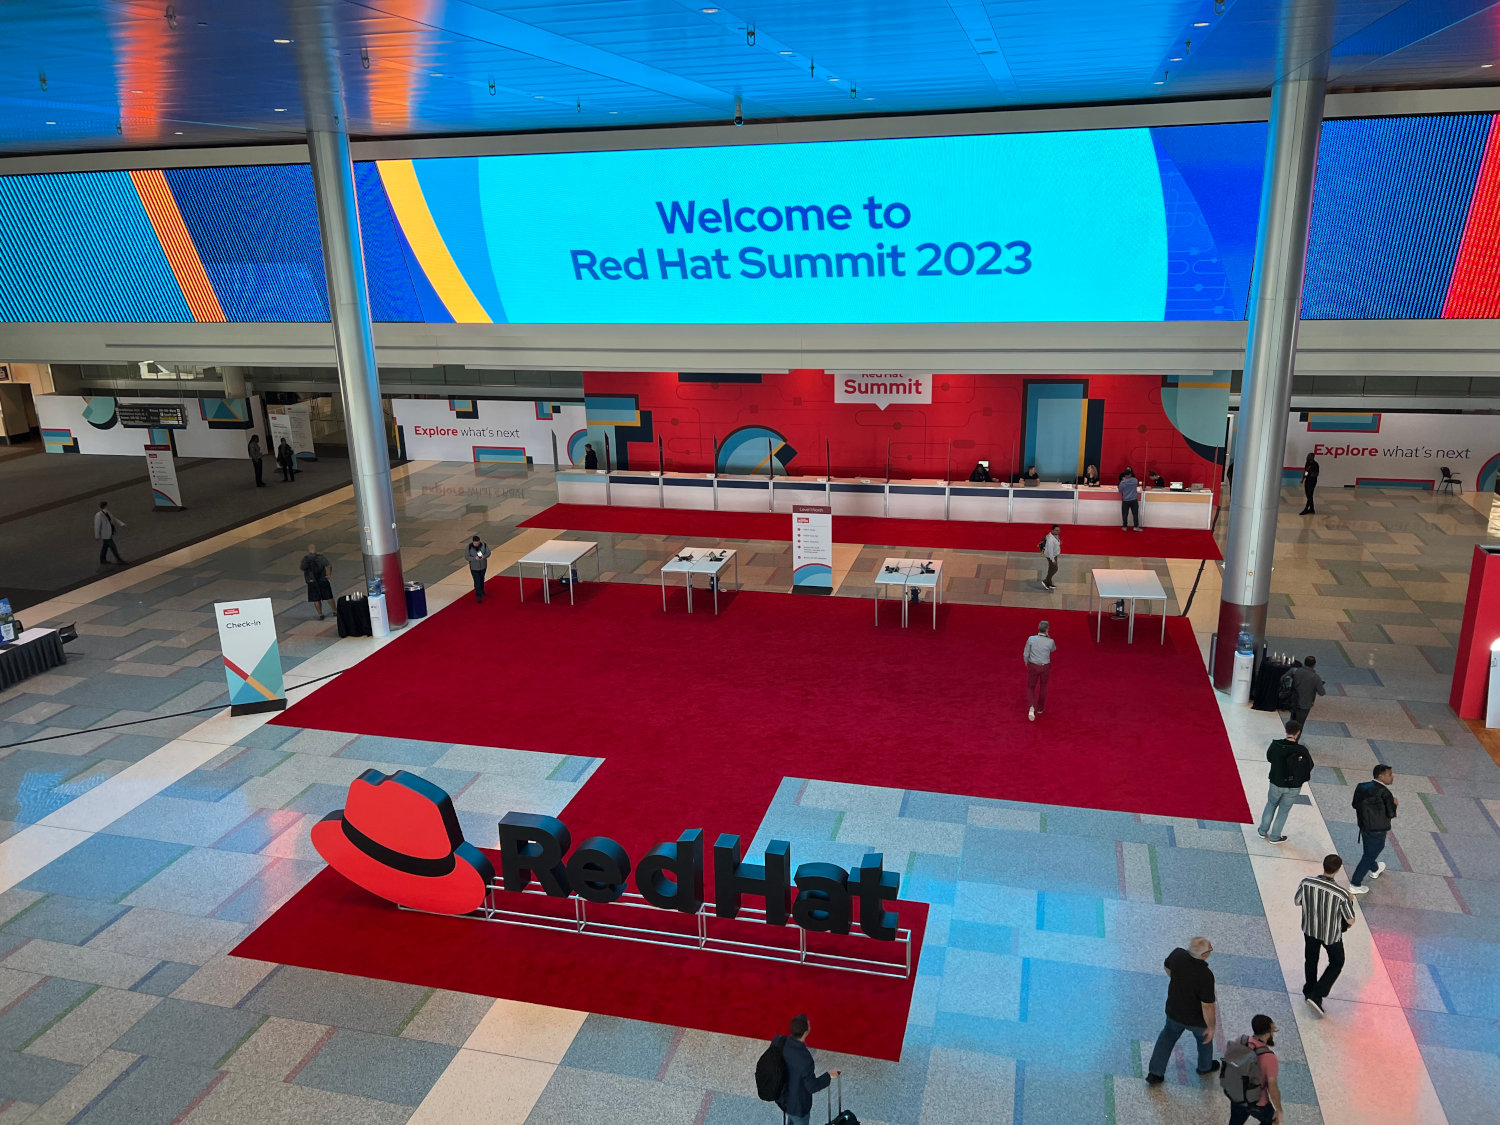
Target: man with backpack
(1291,768)
(786,1075)
(1327,911)
(1374,809)
(1249,1075)
(1298,688)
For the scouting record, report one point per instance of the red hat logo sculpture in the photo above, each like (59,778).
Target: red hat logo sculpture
(398,837)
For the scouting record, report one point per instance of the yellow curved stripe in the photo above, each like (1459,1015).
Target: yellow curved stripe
(410,205)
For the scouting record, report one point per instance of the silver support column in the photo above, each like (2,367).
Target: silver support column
(1275,307)
(349,300)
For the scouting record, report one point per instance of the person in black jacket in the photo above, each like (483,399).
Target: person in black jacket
(1309,485)
(802,1079)
(1291,767)
(981,473)
(590,458)
(1374,809)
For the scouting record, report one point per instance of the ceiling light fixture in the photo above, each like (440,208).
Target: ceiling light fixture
(51,123)
(786,52)
(1201,23)
(709,11)
(178,133)
(364,57)
(171,17)
(435,74)
(283,42)
(1485,65)
(278,109)
(1177,59)
(1158,82)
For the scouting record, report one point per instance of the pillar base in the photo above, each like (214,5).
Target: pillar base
(388,569)
(1231,619)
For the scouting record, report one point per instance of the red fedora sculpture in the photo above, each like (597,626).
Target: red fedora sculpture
(398,837)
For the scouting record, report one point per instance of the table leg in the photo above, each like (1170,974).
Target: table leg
(714,578)
(1130,632)
(1099,616)
(937,595)
(877,604)
(547,583)
(688,580)
(663,573)
(521,580)
(1163,621)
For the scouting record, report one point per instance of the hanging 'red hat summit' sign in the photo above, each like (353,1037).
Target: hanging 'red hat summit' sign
(399,838)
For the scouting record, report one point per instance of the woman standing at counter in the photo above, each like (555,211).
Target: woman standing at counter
(1309,485)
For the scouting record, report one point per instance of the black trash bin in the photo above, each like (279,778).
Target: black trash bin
(416,600)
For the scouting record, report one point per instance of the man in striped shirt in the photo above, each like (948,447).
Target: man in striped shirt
(1327,911)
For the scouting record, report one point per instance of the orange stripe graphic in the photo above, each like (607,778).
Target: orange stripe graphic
(177,244)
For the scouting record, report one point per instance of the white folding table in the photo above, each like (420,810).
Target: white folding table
(700,560)
(909,574)
(1127,585)
(555,552)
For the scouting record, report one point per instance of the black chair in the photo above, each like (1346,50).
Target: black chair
(1448,481)
(68,633)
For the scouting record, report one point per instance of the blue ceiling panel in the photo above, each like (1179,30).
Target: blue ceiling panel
(101,74)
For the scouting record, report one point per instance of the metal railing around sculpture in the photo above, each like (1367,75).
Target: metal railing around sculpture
(574,916)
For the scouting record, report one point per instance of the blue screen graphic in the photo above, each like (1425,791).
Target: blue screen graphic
(1025,227)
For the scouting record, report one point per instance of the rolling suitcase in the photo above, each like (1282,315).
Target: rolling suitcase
(844,1116)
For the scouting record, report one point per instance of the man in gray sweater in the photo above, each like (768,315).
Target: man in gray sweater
(1038,658)
(478,555)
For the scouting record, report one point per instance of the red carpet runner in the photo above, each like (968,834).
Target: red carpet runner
(959,535)
(698,719)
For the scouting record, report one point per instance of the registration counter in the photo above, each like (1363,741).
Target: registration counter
(869,496)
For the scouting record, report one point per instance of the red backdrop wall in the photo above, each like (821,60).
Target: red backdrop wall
(971,417)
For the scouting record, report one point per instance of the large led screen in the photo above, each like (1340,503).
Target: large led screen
(1107,225)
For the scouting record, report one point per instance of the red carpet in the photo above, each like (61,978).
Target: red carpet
(698,719)
(958,535)
(334,926)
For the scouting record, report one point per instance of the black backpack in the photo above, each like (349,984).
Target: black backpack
(1286,690)
(1299,767)
(770,1071)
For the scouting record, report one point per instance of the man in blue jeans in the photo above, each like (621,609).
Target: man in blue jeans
(1291,768)
(1374,809)
(802,1079)
(1190,1007)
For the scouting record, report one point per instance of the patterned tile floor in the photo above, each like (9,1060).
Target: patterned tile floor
(132,857)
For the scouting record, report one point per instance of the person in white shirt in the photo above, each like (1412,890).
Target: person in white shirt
(1052,551)
(1038,658)
(105,524)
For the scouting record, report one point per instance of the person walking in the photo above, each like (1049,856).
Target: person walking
(1307,685)
(1052,551)
(590,458)
(316,572)
(256,456)
(1130,499)
(1251,1073)
(1191,1006)
(1327,911)
(478,555)
(1309,485)
(802,1079)
(1374,809)
(1291,769)
(105,524)
(1037,656)
(286,458)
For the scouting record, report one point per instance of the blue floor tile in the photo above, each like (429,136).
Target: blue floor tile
(104,867)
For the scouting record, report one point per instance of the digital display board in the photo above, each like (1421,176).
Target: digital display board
(1144,224)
